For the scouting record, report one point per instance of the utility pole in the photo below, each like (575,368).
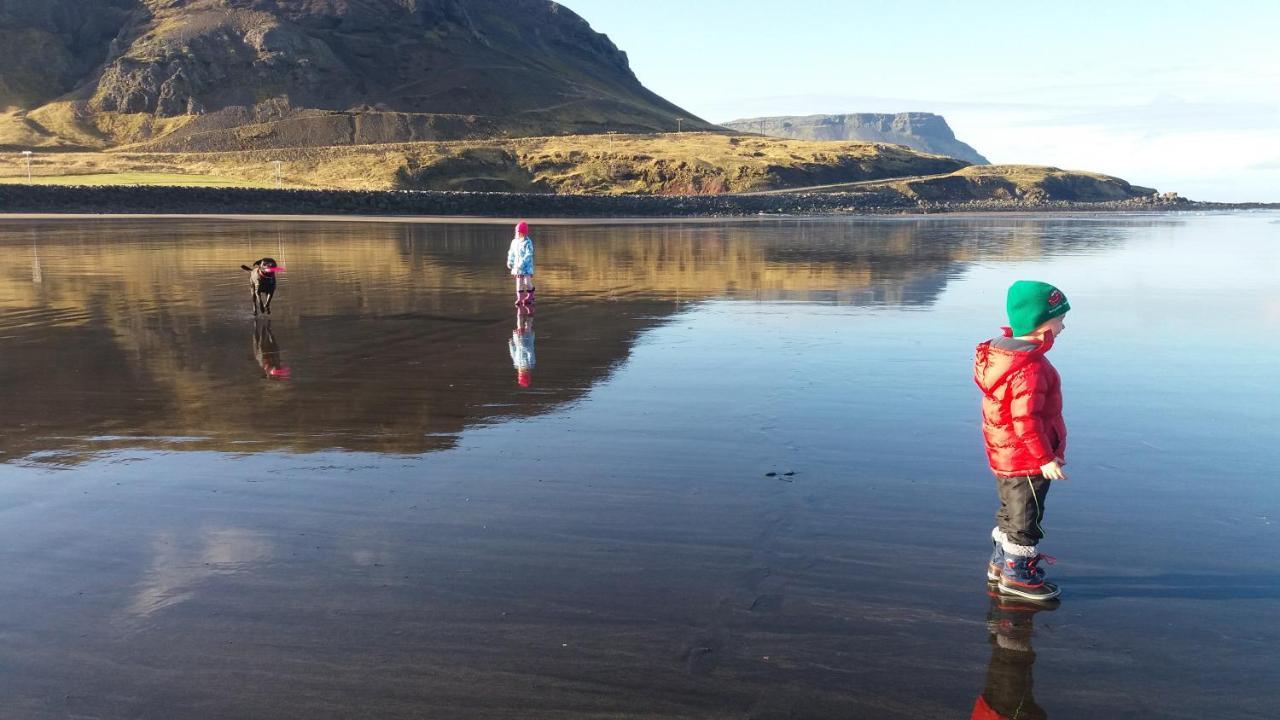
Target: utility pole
(679,125)
(279,178)
(27,155)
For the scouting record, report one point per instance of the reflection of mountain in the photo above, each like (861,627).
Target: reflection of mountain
(395,335)
(407,382)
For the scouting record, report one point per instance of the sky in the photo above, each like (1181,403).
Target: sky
(1179,96)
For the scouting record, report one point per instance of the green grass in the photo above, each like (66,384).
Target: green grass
(135,178)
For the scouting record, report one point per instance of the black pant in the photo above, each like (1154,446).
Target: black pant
(1021,508)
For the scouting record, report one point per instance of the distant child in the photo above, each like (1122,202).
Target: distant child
(1025,434)
(521,347)
(520,263)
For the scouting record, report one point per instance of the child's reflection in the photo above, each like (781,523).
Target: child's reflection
(267,351)
(521,348)
(1008,694)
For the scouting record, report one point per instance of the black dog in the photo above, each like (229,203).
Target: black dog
(262,279)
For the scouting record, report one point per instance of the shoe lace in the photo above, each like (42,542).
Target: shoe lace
(1048,559)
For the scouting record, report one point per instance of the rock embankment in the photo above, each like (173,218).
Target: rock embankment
(181,200)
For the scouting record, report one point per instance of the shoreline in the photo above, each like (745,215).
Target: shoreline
(83,202)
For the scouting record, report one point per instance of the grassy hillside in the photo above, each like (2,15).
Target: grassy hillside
(675,163)
(671,164)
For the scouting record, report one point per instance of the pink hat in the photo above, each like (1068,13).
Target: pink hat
(522,228)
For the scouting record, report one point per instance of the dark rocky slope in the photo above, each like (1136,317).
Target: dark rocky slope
(51,46)
(209,74)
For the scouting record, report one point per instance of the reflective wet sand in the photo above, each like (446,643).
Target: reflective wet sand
(744,478)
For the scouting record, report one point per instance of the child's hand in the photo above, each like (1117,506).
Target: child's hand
(1052,470)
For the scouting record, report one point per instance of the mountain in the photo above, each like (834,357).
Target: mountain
(212,75)
(922,131)
(507,95)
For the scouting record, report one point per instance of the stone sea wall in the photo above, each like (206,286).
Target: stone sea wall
(182,200)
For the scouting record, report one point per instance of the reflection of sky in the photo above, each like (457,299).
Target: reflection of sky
(180,563)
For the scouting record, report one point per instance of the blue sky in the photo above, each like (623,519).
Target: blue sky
(1182,96)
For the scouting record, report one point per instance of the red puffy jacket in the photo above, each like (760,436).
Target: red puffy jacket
(1021,406)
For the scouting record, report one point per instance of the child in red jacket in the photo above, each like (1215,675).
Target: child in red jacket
(1026,437)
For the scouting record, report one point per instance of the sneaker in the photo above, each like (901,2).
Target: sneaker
(1021,576)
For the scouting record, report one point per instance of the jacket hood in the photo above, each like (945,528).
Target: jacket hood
(995,362)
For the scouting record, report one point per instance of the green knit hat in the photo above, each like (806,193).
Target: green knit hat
(1032,303)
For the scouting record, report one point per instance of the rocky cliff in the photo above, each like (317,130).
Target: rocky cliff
(922,131)
(211,74)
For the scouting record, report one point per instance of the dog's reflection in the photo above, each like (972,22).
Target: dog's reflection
(267,351)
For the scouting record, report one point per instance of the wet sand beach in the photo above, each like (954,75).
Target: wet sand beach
(746,480)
